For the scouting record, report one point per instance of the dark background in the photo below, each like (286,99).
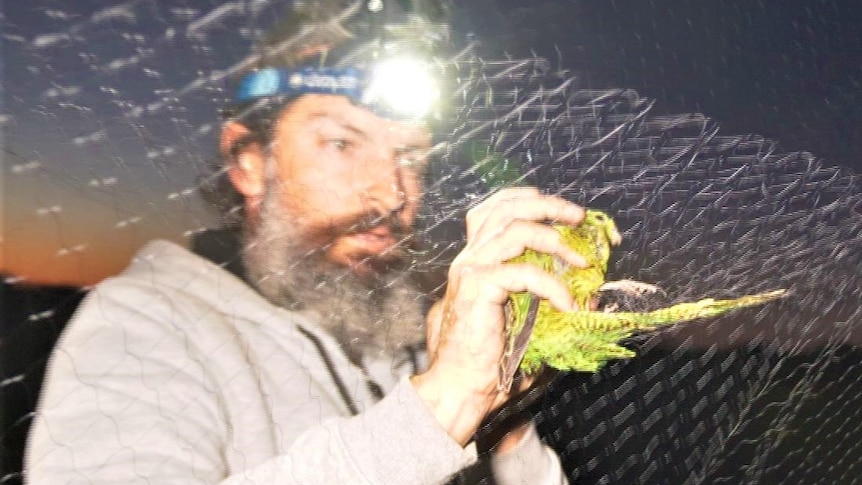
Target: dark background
(790,71)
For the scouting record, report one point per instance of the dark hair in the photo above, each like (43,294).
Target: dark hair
(216,187)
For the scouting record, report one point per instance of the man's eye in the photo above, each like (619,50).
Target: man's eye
(339,143)
(409,161)
(411,158)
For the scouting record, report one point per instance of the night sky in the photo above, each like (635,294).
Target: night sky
(110,112)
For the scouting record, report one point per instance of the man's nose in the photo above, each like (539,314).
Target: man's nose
(388,192)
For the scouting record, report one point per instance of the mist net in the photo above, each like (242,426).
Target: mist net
(110,123)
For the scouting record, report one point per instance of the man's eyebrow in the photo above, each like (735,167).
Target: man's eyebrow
(341,122)
(412,147)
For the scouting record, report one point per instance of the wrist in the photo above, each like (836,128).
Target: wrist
(459,411)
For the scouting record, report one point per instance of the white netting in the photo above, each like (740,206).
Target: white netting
(110,123)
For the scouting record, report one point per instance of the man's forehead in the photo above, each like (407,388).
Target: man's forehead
(341,111)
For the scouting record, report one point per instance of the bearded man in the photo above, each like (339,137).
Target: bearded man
(304,367)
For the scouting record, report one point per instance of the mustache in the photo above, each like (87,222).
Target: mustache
(317,240)
(368,221)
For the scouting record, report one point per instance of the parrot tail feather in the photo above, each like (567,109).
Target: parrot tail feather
(705,308)
(585,341)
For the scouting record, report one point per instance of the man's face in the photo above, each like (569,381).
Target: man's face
(350,179)
(330,205)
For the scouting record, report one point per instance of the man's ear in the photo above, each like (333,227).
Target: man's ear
(247,165)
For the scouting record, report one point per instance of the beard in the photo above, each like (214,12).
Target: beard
(378,312)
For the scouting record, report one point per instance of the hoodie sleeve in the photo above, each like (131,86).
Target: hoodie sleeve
(397,441)
(130,398)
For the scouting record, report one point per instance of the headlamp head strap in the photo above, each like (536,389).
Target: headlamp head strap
(273,81)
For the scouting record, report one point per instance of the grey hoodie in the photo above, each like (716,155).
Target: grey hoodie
(177,372)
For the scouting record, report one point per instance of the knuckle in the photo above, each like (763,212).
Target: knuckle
(515,191)
(473,217)
(467,271)
(510,205)
(458,267)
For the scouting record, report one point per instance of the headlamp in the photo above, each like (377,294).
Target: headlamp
(401,87)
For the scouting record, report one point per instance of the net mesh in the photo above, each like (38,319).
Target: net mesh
(109,125)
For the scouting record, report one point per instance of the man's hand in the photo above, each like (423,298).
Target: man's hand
(466,329)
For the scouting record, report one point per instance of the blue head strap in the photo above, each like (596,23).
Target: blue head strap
(271,82)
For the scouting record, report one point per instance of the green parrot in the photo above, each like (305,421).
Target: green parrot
(584,340)
(539,335)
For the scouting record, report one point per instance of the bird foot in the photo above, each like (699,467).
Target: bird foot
(630,287)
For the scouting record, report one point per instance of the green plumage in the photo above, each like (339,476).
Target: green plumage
(585,340)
